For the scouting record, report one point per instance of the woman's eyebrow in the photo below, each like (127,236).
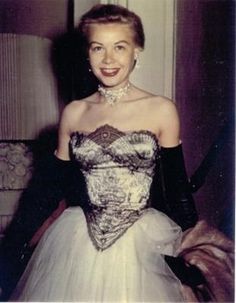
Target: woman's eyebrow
(122,41)
(95,42)
(118,42)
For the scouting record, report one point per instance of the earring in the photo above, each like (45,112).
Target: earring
(136,61)
(89,68)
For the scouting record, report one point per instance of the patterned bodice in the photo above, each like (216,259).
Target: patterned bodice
(118,168)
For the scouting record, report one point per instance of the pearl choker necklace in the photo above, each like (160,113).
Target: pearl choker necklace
(113,96)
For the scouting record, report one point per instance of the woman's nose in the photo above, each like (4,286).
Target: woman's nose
(108,57)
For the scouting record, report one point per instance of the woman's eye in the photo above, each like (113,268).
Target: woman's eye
(97,49)
(120,47)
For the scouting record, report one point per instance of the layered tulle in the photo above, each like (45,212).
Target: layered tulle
(67,267)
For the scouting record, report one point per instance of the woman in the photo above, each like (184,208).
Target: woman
(111,248)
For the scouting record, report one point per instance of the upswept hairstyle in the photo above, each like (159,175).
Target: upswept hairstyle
(109,13)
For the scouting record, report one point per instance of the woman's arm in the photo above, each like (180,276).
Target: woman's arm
(178,200)
(169,124)
(64,132)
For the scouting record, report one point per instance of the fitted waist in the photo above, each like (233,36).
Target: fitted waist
(107,224)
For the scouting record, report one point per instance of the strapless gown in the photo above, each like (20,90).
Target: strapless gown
(112,250)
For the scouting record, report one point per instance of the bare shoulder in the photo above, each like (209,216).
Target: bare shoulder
(163,119)
(77,107)
(74,107)
(71,115)
(162,102)
(162,106)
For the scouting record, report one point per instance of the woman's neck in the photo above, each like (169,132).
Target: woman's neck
(113,95)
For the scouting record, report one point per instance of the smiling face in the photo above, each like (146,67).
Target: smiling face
(112,52)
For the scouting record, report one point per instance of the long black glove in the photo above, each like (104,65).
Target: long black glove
(172,195)
(49,185)
(179,202)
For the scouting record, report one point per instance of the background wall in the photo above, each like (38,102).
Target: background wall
(45,18)
(80,7)
(157,62)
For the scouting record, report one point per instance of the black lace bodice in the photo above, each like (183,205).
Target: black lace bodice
(118,168)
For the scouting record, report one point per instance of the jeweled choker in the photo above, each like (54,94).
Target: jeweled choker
(113,96)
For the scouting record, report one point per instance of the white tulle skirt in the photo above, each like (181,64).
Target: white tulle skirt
(67,267)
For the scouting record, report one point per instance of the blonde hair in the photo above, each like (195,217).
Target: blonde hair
(109,13)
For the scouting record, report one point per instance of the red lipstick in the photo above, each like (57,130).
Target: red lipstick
(109,72)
